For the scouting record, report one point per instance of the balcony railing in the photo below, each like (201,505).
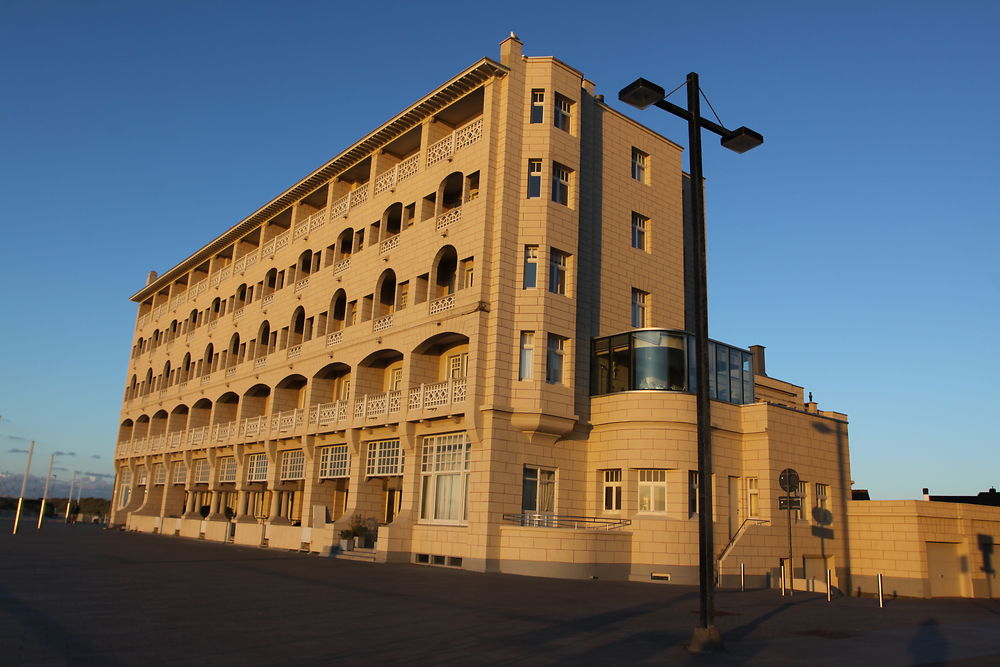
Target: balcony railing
(328,413)
(335,338)
(294,351)
(377,405)
(448,218)
(390,243)
(542,520)
(442,304)
(260,362)
(342,266)
(287,421)
(301,284)
(437,394)
(382,323)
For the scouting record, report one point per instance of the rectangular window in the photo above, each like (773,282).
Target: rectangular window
(822,496)
(560,183)
(612,490)
(753,497)
(555,350)
(124,487)
(402,295)
(693,498)
(468,272)
(653,491)
(293,465)
(563,112)
(527,360)
(558,262)
(257,468)
(458,365)
(639,223)
(537,105)
(395,379)
(444,484)
(200,475)
(141,476)
(538,490)
(385,458)
(639,165)
(159,474)
(180,473)
(534,179)
(334,462)
(227,469)
(639,319)
(530,266)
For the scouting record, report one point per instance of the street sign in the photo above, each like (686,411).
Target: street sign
(789,503)
(789,480)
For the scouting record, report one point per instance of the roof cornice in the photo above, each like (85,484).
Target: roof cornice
(412,116)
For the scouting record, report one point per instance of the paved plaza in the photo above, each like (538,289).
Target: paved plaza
(83,595)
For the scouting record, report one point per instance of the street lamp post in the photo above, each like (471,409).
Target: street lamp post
(69,497)
(24,486)
(642,94)
(45,493)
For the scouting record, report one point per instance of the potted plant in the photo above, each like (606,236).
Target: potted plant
(360,530)
(347,539)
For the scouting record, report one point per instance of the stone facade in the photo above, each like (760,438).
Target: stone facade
(404,338)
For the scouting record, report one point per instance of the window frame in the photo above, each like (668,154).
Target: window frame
(536,111)
(534,178)
(640,232)
(526,356)
(655,481)
(334,462)
(640,166)
(611,490)
(529,279)
(562,112)
(293,465)
(445,457)
(561,179)
(640,309)
(257,467)
(555,354)
(558,271)
(543,477)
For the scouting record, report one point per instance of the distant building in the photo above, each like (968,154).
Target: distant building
(470,328)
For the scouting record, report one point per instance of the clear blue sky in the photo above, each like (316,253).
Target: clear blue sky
(859,244)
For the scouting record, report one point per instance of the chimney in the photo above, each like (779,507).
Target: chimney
(510,51)
(758,360)
(151,277)
(927,494)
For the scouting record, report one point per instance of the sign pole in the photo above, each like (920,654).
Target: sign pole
(791,568)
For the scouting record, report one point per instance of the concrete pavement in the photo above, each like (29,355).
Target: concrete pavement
(82,595)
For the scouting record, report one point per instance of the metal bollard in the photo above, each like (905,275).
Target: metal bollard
(829,593)
(782,578)
(881,601)
(743,587)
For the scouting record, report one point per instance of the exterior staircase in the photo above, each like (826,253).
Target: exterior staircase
(362,555)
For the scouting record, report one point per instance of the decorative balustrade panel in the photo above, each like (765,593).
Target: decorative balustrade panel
(342,266)
(442,304)
(294,351)
(389,244)
(260,362)
(238,313)
(385,181)
(317,219)
(206,378)
(449,218)
(231,371)
(282,240)
(340,207)
(407,168)
(335,338)
(382,323)
(252,259)
(301,284)
(441,150)
(240,264)
(359,196)
(268,248)
(468,135)
(301,229)
(267,300)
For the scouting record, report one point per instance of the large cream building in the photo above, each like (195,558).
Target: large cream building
(469,328)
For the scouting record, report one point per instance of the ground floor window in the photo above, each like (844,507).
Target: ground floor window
(613,490)
(200,475)
(444,471)
(227,469)
(293,465)
(334,462)
(180,473)
(653,491)
(257,468)
(538,490)
(385,457)
(693,499)
(124,488)
(822,496)
(753,497)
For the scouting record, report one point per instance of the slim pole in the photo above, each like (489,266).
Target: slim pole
(743,587)
(24,486)
(45,493)
(881,601)
(829,594)
(782,579)
(69,496)
(791,569)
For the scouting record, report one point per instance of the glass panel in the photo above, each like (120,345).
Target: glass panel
(620,364)
(735,376)
(529,490)
(600,367)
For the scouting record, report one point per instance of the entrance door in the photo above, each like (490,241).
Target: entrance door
(944,569)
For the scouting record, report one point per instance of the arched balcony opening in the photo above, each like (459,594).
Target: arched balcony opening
(147,383)
(345,244)
(207,360)
(445,270)
(173,331)
(379,372)
(165,377)
(386,290)
(289,394)
(141,428)
(232,351)
(192,321)
(338,311)
(156,339)
(226,408)
(304,265)
(158,424)
(241,296)
(297,327)
(178,419)
(215,310)
(439,358)
(185,369)
(201,413)
(331,383)
(133,387)
(392,221)
(125,430)
(254,402)
(450,192)
(270,282)
(264,345)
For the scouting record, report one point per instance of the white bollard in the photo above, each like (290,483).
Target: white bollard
(829,593)
(881,601)
(782,578)
(743,587)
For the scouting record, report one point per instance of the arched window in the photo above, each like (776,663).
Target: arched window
(263,340)
(338,311)
(296,327)
(450,191)
(386,290)
(206,367)
(345,244)
(392,221)
(233,350)
(445,270)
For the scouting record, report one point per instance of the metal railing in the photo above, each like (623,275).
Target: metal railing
(543,520)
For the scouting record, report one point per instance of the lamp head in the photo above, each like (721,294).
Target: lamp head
(741,140)
(641,93)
